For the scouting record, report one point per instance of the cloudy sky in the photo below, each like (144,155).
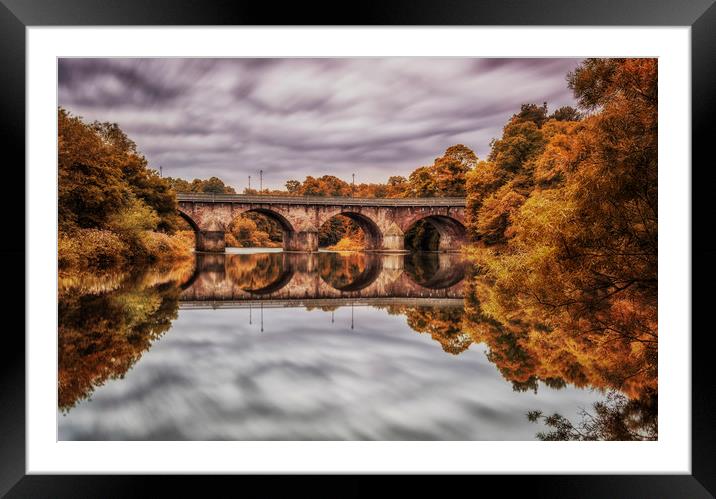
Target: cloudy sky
(374,117)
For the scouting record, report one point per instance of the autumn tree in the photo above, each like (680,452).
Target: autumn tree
(213,185)
(112,208)
(91,184)
(396,186)
(574,284)
(101,173)
(531,113)
(293,186)
(144,182)
(497,187)
(421,183)
(463,155)
(566,113)
(446,177)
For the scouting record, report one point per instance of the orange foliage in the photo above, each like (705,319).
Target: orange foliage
(107,323)
(571,292)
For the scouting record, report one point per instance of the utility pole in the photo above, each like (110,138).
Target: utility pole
(160,170)
(249,182)
(353,185)
(261,181)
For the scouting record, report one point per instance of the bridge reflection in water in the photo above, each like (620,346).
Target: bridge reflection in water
(130,367)
(324,280)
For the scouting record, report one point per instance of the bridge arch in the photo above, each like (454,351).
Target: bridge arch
(208,235)
(282,221)
(189,220)
(373,234)
(297,235)
(195,227)
(371,271)
(451,232)
(259,273)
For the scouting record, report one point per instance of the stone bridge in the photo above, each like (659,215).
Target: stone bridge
(385,221)
(281,279)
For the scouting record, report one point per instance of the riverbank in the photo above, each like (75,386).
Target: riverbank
(99,250)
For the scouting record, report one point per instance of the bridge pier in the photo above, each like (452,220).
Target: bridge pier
(306,241)
(393,239)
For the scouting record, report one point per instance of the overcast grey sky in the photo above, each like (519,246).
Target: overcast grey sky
(376,117)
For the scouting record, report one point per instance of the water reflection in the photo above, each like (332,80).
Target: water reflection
(293,278)
(323,346)
(107,322)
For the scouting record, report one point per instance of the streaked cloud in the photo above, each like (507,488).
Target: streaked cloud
(307,116)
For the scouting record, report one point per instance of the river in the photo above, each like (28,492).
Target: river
(267,345)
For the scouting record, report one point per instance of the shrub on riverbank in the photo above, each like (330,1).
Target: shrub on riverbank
(160,246)
(113,209)
(348,244)
(90,248)
(97,249)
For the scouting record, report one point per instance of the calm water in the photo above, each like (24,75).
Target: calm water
(275,346)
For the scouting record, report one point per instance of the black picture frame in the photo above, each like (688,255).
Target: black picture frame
(700,15)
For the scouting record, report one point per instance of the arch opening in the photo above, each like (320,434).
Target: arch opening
(349,272)
(259,273)
(350,231)
(258,228)
(435,233)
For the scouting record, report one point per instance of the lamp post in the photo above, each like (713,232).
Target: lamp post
(261,181)
(353,184)
(249,182)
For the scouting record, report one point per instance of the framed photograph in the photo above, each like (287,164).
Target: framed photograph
(422,239)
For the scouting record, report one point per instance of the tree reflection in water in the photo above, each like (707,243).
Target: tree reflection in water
(616,418)
(444,325)
(341,269)
(256,271)
(107,322)
(586,350)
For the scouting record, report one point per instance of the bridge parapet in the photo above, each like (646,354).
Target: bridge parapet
(317,200)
